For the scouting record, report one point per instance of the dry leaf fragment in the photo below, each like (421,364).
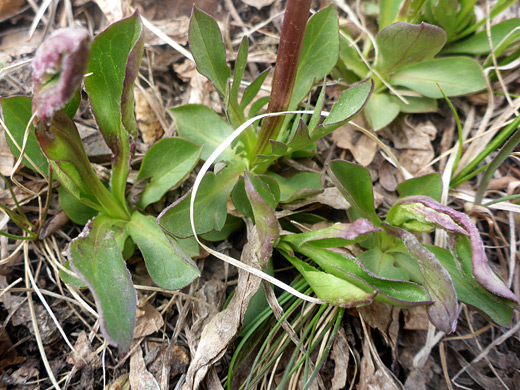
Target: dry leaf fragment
(140,377)
(340,354)
(258,4)
(9,7)
(147,121)
(362,147)
(217,335)
(148,321)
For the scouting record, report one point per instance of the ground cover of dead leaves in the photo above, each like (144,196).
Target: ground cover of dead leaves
(377,347)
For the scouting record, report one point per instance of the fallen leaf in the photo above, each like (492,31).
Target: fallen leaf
(140,378)
(362,147)
(147,121)
(120,383)
(9,7)
(85,355)
(224,326)
(148,321)
(416,318)
(372,378)
(258,4)
(340,354)
(384,318)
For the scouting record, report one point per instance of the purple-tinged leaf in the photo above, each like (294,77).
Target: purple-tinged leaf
(114,62)
(395,292)
(58,68)
(460,223)
(443,311)
(403,44)
(61,144)
(266,222)
(96,258)
(337,235)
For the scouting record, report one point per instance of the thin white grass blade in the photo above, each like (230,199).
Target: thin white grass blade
(211,159)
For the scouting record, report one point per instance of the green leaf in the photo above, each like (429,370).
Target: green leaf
(381,110)
(319,52)
(416,105)
(382,264)
(337,235)
(429,185)
(266,186)
(354,183)
(266,222)
(350,59)
(479,43)
(232,225)
(114,62)
(240,66)
(471,292)
(166,163)
(444,13)
(77,211)
(403,44)
(95,257)
(349,104)
(208,50)
(115,59)
(201,125)
(168,267)
(455,75)
(69,278)
(252,90)
(299,186)
(210,207)
(443,312)
(388,11)
(332,289)
(17,112)
(395,292)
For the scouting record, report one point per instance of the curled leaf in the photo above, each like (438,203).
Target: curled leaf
(337,235)
(58,68)
(456,222)
(265,220)
(444,310)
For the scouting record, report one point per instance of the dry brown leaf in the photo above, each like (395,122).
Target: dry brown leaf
(340,354)
(149,125)
(6,157)
(120,383)
(200,90)
(224,326)
(414,143)
(258,4)
(384,318)
(176,29)
(362,147)
(112,9)
(85,355)
(148,321)
(140,378)
(370,377)
(9,7)
(416,318)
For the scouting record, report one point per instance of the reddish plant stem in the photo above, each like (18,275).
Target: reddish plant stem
(289,48)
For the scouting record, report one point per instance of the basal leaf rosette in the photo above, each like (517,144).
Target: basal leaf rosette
(58,69)
(421,213)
